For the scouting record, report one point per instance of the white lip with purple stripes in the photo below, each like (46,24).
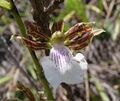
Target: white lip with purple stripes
(62,57)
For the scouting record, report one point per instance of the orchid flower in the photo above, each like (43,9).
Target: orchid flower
(61,65)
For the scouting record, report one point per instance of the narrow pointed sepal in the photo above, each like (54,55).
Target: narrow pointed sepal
(79,40)
(80,35)
(34,45)
(57,26)
(97,31)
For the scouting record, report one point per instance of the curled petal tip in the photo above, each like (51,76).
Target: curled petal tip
(97,31)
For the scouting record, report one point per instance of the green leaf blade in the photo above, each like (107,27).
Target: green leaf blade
(5,4)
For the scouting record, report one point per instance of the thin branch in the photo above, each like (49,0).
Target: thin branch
(52,6)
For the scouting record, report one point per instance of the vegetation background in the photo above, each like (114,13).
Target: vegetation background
(103,54)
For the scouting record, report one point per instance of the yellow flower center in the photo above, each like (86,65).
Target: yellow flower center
(57,37)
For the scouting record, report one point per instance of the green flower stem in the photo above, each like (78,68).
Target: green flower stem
(38,66)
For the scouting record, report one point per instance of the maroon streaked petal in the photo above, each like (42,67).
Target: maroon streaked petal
(79,46)
(74,29)
(31,43)
(80,27)
(57,26)
(32,26)
(79,34)
(36,35)
(82,39)
(34,30)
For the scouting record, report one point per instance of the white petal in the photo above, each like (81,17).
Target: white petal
(82,62)
(50,71)
(74,75)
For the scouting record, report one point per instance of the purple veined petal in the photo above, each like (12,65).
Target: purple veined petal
(61,57)
(53,56)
